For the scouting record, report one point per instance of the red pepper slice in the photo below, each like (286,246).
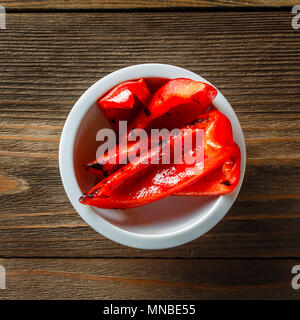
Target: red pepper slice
(174,93)
(222,180)
(108,164)
(124,101)
(137,184)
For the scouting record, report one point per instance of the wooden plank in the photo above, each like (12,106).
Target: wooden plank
(148,279)
(48,60)
(52,78)
(140,4)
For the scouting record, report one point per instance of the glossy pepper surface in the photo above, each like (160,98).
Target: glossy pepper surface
(124,101)
(137,183)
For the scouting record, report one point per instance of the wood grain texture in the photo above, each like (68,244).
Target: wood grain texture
(11,186)
(140,4)
(48,60)
(148,279)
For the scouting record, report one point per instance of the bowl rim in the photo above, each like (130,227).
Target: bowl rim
(67,172)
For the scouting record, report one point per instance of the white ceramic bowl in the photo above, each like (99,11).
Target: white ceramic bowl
(169,222)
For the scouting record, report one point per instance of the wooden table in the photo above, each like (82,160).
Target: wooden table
(52,51)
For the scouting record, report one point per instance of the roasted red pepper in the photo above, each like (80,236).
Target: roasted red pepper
(124,101)
(108,164)
(174,105)
(174,93)
(222,180)
(137,183)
